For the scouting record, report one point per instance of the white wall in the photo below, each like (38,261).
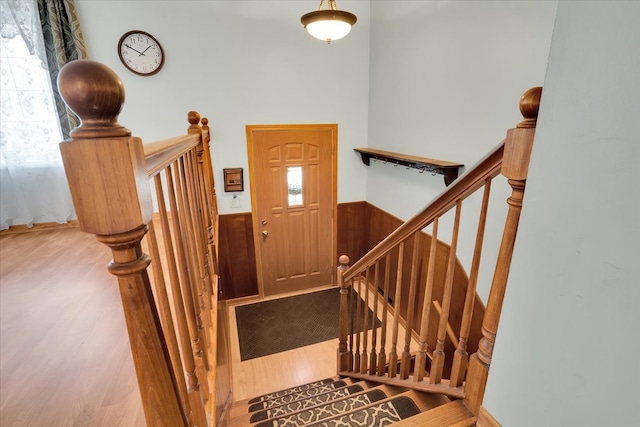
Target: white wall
(446,78)
(238,63)
(567,352)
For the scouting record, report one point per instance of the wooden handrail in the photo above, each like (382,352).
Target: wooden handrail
(160,154)
(173,340)
(442,363)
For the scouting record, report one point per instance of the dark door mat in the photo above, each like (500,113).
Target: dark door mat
(283,324)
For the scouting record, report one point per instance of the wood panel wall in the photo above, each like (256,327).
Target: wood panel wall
(237,256)
(361,226)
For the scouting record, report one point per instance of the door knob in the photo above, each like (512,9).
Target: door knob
(265,233)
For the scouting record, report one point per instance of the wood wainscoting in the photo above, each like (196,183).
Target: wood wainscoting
(238,274)
(361,226)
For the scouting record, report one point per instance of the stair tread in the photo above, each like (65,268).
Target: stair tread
(305,404)
(384,412)
(240,407)
(393,407)
(298,395)
(241,412)
(279,393)
(331,409)
(450,414)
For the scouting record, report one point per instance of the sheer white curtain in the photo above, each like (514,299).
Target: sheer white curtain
(33,186)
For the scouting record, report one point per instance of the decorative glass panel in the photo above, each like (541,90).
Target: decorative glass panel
(294,185)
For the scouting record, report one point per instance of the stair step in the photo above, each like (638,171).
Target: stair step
(328,410)
(396,408)
(298,395)
(450,414)
(305,404)
(291,390)
(381,413)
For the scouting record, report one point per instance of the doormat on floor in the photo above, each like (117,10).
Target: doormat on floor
(283,324)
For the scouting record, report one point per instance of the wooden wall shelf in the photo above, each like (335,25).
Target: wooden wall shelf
(448,169)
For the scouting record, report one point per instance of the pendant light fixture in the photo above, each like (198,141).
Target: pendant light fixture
(329,24)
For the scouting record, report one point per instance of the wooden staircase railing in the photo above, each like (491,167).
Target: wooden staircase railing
(416,336)
(172,317)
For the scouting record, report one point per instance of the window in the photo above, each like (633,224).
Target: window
(29,127)
(33,186)
(294,183)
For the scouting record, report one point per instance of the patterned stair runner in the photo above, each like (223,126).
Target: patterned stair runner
(329,410)
(285,398)
(291,390)
(303,404)
(382,414)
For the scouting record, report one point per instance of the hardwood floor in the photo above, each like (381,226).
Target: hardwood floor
(64,351)
(282,370)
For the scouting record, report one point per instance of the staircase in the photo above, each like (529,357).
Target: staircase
(381,379)
(336,402)
(180,346)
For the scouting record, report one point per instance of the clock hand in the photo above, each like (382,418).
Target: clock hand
(142,53)
(134,49)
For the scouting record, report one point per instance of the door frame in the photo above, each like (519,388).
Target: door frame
(334,192)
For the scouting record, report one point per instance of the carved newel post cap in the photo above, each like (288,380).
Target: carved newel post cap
(95,93)
(343,260)
(193,117)
(529,106)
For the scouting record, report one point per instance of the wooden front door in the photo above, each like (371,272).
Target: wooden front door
(293,193)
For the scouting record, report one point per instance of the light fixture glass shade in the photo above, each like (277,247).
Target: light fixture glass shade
(328,25)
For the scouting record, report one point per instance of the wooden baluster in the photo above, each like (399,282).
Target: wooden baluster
(177,217)
(383,330)
(374,328)
(203,166)
(405,363)
(421,358)
(193,382)
(437,365)
(365,324)
(393,354)
(103,155)
(343,351)
(209,179)
(210,212)
(515,166)
(460,357)
(356,364)
(185,199)
(352,315)
(162,301)
(201,287)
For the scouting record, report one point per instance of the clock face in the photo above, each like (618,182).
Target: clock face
(141,53)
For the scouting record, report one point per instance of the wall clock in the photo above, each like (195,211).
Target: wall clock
(141,53)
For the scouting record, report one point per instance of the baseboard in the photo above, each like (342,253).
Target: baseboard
(24,228)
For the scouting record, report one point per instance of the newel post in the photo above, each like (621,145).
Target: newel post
(107,177)
(344,357)
(515,167)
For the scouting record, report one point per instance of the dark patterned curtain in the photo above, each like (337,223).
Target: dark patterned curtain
(64,42)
